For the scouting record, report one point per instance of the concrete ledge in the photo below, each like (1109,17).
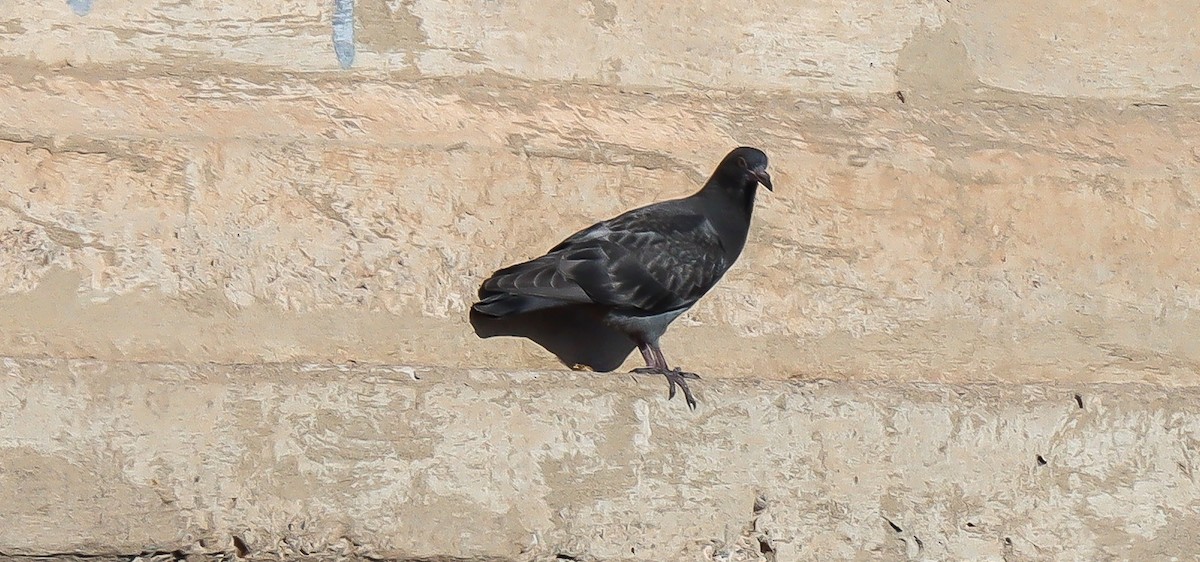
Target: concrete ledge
(394,462)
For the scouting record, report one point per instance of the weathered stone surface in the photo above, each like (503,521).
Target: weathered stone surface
(287,219)
(1084,49)
(969,192)
(405,462)
(856,46)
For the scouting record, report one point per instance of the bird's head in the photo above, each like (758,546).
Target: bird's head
(744,167)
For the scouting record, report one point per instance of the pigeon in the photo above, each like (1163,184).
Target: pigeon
(637,272)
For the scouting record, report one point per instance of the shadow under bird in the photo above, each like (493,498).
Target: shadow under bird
(632,275)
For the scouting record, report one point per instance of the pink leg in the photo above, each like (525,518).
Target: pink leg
(656,364)
(647,354)
(658,356)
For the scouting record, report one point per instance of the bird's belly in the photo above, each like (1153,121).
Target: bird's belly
(647,327)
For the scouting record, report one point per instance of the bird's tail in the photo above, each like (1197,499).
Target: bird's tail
(534,285)
(500,305)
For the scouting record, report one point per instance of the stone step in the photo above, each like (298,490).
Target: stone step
(404,462)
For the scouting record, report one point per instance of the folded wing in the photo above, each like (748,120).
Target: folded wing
(650,260)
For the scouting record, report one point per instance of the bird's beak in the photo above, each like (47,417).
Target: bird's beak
(764,178)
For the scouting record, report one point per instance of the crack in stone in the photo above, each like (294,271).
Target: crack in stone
(50,144)
(61,235)
(323,204)
(605,153)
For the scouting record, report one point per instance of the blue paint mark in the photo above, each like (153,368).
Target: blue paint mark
(343,32)
(80,7)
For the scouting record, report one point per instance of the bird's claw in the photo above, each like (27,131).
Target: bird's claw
(657,371)
(675,377)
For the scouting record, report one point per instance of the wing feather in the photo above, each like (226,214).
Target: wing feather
(651,260)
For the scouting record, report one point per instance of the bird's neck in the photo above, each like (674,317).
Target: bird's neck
(741,199)
(731,210)
(748,195)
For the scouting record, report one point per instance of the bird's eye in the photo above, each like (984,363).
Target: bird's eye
(741,162)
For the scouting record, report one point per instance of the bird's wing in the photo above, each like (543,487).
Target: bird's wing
(652,259)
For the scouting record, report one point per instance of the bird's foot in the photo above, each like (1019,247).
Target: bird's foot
(674,377)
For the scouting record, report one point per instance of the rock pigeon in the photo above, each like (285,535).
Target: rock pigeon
(642,269)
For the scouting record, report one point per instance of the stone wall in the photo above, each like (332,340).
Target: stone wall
(966,192)
(198,182)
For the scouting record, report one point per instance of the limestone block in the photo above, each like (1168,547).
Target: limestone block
(1060,48)
(291,219)
(402,462)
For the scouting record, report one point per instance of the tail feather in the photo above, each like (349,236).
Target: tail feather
(534,285)
(500,305)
